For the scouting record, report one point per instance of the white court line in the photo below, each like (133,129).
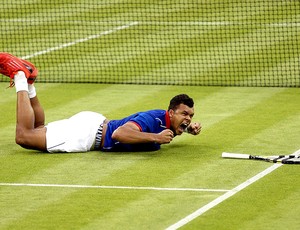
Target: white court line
(80,40)
(220,199)
(114,187)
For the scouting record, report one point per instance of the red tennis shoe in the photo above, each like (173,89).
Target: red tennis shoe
(32,69)
(10,65)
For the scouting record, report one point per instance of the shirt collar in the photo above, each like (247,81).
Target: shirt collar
(168,121)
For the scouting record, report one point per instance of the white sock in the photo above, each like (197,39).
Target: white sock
(20,81)
(31,91)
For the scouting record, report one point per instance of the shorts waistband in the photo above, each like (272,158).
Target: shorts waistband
(98,137)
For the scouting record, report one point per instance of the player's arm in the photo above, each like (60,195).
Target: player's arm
(194,128)
(130,133)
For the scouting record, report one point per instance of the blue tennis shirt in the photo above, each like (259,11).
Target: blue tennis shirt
(152,121)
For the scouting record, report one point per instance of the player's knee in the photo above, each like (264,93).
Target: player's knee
(20,136)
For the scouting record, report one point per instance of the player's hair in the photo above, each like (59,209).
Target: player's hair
(181,99)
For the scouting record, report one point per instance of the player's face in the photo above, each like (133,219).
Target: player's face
(181,118)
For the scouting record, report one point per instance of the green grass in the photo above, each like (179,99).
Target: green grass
(186,46)
(249,120)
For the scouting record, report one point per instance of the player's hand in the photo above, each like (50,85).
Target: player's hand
(194,128)
(165,136)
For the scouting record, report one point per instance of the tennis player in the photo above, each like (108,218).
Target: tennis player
(87,131)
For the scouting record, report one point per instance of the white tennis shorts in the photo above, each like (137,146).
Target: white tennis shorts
(76,134)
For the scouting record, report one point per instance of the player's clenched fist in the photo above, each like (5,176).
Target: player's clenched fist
(194,128)
(165,136)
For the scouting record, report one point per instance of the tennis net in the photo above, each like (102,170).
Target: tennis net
(182,42)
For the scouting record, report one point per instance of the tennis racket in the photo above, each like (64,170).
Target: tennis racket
(284,159)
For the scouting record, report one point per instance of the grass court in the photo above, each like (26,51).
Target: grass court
(152,190)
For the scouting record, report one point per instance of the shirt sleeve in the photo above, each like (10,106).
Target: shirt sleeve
(145,122)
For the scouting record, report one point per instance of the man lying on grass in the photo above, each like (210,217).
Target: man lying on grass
(87,131)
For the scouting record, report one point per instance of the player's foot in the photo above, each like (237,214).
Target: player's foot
(32,69)
(10,65)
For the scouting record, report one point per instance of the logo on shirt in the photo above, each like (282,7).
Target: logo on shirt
(160,123)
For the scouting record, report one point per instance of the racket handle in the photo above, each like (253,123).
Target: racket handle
(235,155)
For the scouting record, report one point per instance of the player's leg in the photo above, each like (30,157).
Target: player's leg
(30,114)
(39,115)
(27,135)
